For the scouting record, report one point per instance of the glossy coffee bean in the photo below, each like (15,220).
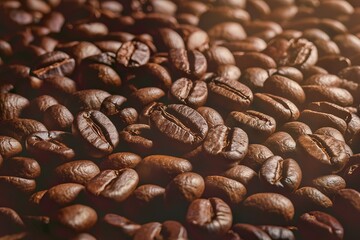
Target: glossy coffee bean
(329,184)
(11,221)
(243,230)
(244,175)
(22,167)
(208,218)
(120,160)
(185,91)
(12,105)
(316,225)
(278,232)
(113,224)
(96,132)
(9,147)
(133,54)
(211,116)
(296,129)
(282,144)
(20,128)
(138,138)
(86,100)
(346,208)
(58,117)
(309,199)
(168,230)
(79,171)
(256,156)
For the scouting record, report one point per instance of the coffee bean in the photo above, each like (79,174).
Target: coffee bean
(161,169)
(346,207)
(9,147)
(120,160)
(253,123)
(86,100)
(113,224)
(332,132)
(185,91)
(266,208)
(211,116)
(58,87)
(255,77)
(217,56)
(112,105)
(188,63)
(335,95)
(282,144)
(253,60)
(167,230)
(21,167)
(97,133)
(237,96)
(280,174)
(138,138)
(20,128)
(210,218)
(224,146)
(329,184)
(242,230)
(113,185)
(278,232)
(190,126)
(133,54)
(11,221)
(351,172)
(308,199)
(39,105)
(256,156)
(80,171)
(296,129)
(12,105)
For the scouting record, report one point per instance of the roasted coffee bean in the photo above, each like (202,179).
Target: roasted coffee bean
(9,147)
(247,231)
(21,167)
(225,146)
(153,75)
(188,63)
(58,117)
(161,169)
(244,175)
(20,128)
(116,225)
(254,123)
(250,44)
(184,188)
(112,105)
(308,199)
(208,218)
(185,91)
(329,184)
(58,87)
(75,218)
(96,132)
(55,146)
(133,54)
(12,105)
(120,160)
(278,232)
(145,203)
(217,56)
(346,208)
(86,100)
(79,171)
(168,230)
(279,174)
(11,222)
(39,105)
(113,185)
(332,132)
(296,129)
(282,144)
(190,126)
(144,96)
(54,64)
(286,88)
(253,60)
(228,71)
(138,138)
(166,39)
(321,154)
(230,191)
(255,77)
(335,95)
(266,208)
(211,116)
(235,95)
(256,156)
(290,72)
(319,225)
(281,109)
(351,172)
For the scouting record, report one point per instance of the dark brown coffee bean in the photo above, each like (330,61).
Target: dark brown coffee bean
(296,129)
(146,203)
(133,54)
(228,71)
(329,184)
(96,132)
(167,39)
(335,95)
(54,145)
(39,105)
(21,167)
(245,175)
(255,77)
(120,160)
(267,208)
(246,231)
(112,105)
(230,191)
(280,174)
(144,96)
(321,154)
(190,126)
(116,225)
(333,63)
(74,218)
(11,222)
(161,169)
(253,60)
(208,218)
(188,92)
(282,144)
(80,171)
(225,146)
(153,75)
(9,147)
(256,156)
(80,50)
(58,87)
(54,64)
(332,132)
(217,56)
(281,109)
(58,117)
(250,44)
(308,199)
(256,124)
(86,100)
(211,116)
(20,128)
(138,138)
(347,209)
(113,185)
(60,196)
(277,232)
(194,37)
(188,63)
(227,31)
(348,44)
(319,225)
(15,186)
(168,230)
(286,88)
(351,172)
(235,95)
(290,72)
(350,73)
(12,105)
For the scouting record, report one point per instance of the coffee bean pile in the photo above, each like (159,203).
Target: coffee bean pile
(180,119)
